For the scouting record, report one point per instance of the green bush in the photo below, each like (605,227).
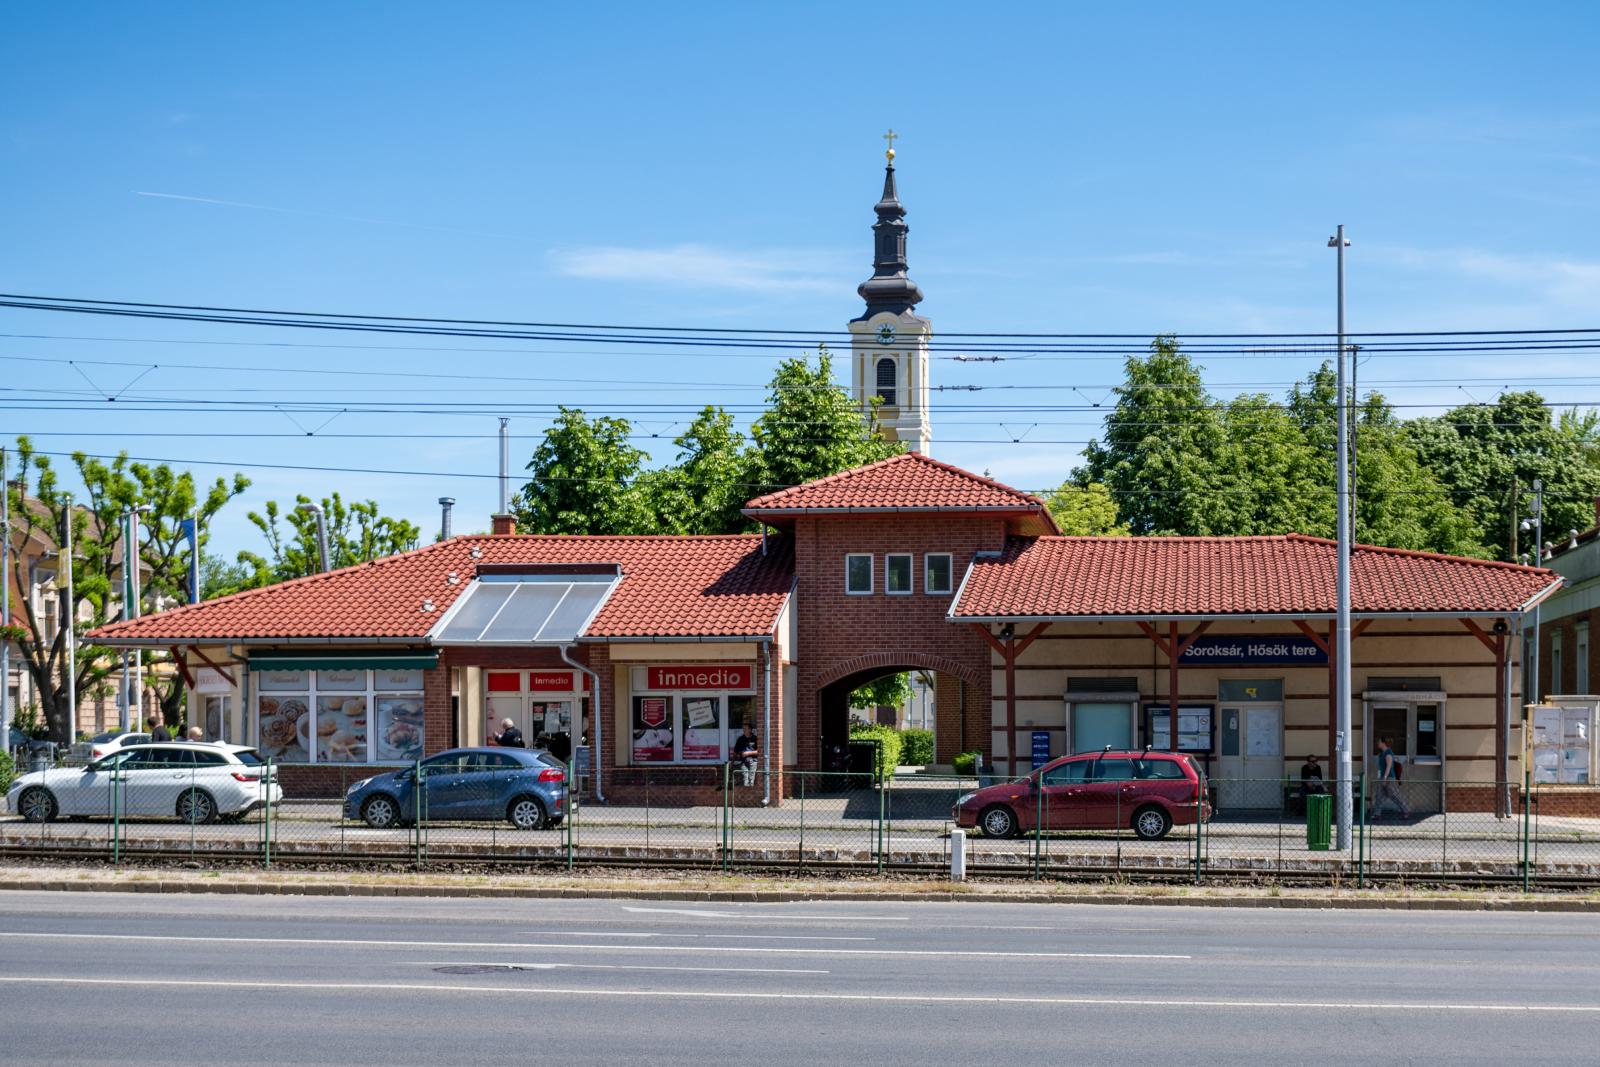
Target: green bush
(965,762)
(888,744)
(8,772)
(916,747)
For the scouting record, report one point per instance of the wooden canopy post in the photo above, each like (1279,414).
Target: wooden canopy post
(1173,648)
(1502,761)
(1010,648)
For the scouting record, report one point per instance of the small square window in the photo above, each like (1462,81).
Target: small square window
(936,572)
(858,574)
(897,572)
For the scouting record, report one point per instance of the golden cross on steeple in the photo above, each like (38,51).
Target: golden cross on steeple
(890,137)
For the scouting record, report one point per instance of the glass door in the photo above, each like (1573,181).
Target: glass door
(1250,757)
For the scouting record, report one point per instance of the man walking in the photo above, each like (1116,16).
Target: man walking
(158,729)
(1387,787)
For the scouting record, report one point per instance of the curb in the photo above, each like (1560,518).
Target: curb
(778,896)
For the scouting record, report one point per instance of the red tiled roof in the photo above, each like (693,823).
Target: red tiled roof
(1291,575)
(907,482)
(671,587)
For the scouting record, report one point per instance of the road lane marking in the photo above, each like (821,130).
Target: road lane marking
(778,937)
(623,967)
(975,1000)
(797,951)
(758,915)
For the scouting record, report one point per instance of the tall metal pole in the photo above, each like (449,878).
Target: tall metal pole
(194,561)
(136,588)
(322,531)
(127,613)
(1343,763)
(505,468)
(1534,695)
(70,618)
(5,603)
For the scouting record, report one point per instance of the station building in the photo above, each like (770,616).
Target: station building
(654,652)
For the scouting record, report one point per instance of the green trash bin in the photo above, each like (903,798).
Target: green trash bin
(1319,822)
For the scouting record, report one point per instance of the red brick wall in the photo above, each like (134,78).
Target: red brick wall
(837,631)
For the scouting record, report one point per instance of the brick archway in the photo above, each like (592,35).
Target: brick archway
(898,661)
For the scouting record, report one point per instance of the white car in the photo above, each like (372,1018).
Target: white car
(104,744)
(190,781)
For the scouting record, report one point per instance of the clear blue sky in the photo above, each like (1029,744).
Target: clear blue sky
(1115,168)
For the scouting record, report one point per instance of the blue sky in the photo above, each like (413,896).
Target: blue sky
(1104,168)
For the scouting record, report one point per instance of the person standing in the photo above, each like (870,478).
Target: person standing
(746,748)
(158,729)
(1387,787)
(509,736)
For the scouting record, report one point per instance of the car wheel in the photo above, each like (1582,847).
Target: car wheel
(526,813)
(380,812)
(998,820)
(196,806)
(37,805)
(1151,823)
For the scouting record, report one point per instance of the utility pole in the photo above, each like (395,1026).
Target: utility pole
(69,618)
(1343,765)
(5,603)
(136,589)
(127,613)
(505,467)
(1535,523)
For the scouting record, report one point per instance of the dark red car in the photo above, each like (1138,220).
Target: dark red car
(1147,791)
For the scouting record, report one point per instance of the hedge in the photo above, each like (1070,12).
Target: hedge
(964,763)
(916,747)
(888,745)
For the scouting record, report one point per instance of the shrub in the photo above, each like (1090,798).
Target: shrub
(916,747)
(965,762)
(888,745)
(8,771)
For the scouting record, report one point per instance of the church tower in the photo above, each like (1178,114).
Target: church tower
(889,341)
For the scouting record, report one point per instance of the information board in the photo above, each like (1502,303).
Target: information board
(1196,723)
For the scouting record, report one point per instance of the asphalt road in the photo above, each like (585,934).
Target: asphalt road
(137,979)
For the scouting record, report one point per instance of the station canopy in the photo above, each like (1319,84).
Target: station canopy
(527,605)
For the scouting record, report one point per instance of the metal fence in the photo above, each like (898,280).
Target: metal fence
(725,817)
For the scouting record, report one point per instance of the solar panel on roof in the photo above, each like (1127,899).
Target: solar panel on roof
(523,610)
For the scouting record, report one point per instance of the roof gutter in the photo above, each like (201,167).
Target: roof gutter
(997,509)
(686,639)
(1236,617)
(1542,595)
(168,642)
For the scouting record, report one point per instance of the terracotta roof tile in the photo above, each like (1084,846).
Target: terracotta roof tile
(671,586)
(907,482)
(1292,574)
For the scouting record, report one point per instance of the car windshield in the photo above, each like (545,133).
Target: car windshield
(100,739)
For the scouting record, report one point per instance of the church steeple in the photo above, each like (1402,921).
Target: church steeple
(889,289)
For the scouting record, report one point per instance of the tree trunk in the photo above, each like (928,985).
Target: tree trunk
(59,717)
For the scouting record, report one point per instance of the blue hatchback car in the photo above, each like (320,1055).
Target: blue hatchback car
(526,787)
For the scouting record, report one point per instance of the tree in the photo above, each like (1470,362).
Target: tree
(1268,473)
(583,480)
(357,533)
(1159,452)
(1085,510)
(890,691)
(702,492)
(1487,452)
(167,499)
(811,428)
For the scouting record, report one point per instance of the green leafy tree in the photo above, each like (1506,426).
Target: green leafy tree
(1085,510)
(1268,473)
(702,492)
(890,691)
(166,498)
(583,480)
(357,533)
(1161,447)
(811,428)
(1489,455)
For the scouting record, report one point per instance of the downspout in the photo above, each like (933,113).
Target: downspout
(766,710)
(594,761)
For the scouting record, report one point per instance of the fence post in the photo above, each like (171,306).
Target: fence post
(800,853)
(1527,809)
(266,826)
(1361,824)
(727,814)
(878,770)
(116,816)
(419,805)
(1038,824)
(1199,825)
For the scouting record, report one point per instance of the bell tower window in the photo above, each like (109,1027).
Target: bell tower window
(886,382)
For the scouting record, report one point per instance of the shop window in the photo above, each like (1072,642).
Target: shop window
(937,572)
(216,714)
(1427,731)
(858,574)
(686,727)
(886,381)
(897,573)
(339,716)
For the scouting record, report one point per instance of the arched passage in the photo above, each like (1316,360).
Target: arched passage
(956,686)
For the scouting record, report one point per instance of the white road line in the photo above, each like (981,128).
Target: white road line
(976,1000)
(764,949)
(773,916)
(623,967)
(778,937)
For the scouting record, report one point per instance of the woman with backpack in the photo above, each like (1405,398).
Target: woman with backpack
(1387,786)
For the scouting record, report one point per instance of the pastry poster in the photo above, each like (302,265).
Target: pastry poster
(399,728)
(282,736)
(341,729)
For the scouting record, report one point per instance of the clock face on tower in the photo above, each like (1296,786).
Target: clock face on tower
(886,334)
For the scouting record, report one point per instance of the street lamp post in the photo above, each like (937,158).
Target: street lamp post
(1535,524)
(5,603)
(1343,767)
(70,621)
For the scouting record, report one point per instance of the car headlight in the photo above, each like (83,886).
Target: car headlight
(961,801)
(357,785)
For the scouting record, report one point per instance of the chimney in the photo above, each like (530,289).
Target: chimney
(503,524)
(445,504)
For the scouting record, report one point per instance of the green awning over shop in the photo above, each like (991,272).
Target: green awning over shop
(343,661)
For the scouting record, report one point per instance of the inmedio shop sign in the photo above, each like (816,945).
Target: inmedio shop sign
(1223,650)
(702,676)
